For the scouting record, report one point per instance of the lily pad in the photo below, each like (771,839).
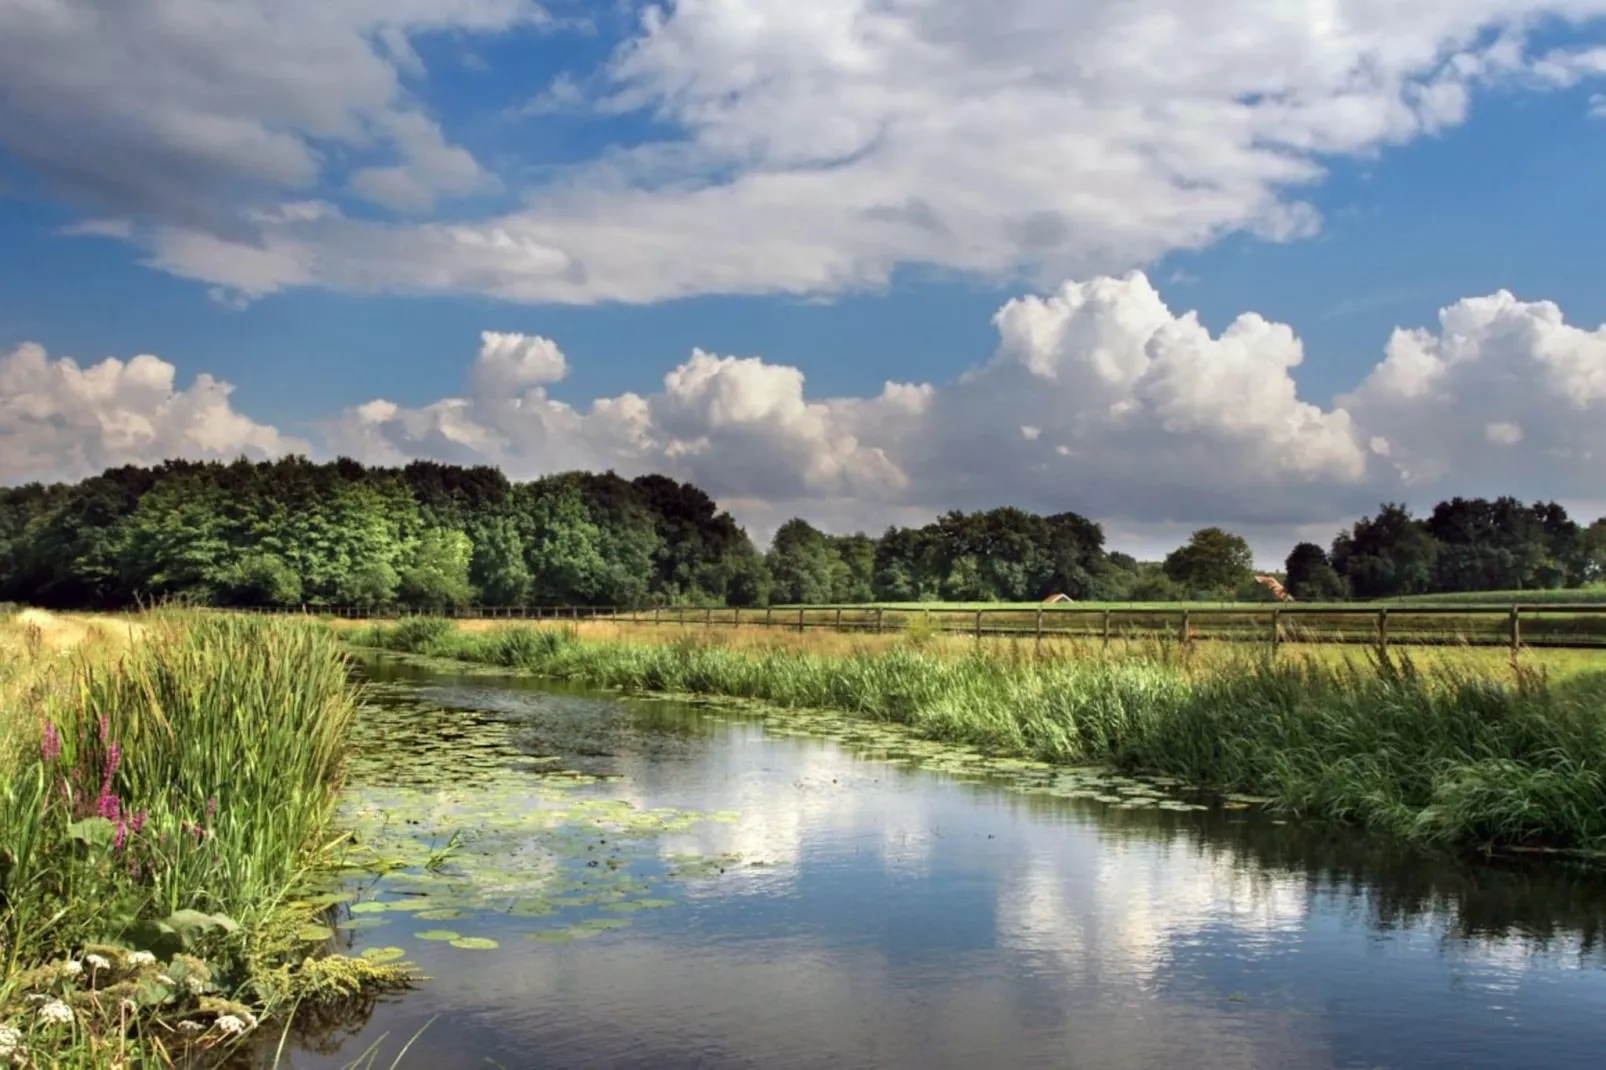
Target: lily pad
(437,934)
(381,955)
(475,943)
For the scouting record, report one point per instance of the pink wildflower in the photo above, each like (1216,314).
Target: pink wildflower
(50,745)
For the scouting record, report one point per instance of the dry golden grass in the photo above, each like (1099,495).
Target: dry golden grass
(36,648)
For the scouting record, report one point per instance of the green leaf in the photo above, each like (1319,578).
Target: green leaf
(93,832)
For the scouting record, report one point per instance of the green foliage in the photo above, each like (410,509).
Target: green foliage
(1213,560)
(290,532)
(1311,576)
(175,803)
(802,565)
(437,575)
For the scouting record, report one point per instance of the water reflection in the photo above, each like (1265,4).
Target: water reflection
(903,920)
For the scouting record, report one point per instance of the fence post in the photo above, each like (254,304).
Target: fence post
(1184,639)
(769,613)
(1106,629)
(708,617)
(978,625)
(839,618)
(878,620)
(1276,630)
(1516,630)
(1382,630)
(1037,647)
(736,617)
(800,620)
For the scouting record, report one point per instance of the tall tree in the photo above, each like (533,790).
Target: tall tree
(1311,576)
(801,565)
(1213,561)
(1387,555)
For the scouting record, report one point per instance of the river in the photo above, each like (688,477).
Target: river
(651,884)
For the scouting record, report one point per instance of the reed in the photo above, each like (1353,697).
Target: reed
(166,807)
(1431,749)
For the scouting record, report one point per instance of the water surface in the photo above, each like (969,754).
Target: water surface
(670,886)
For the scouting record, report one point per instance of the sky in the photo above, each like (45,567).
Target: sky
(1262,264)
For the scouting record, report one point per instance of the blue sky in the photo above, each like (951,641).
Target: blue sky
(707,179)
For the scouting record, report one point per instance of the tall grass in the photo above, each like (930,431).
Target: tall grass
(171,798)
(1434,752)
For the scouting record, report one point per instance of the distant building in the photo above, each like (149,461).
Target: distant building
(1055,599)
(1276,588)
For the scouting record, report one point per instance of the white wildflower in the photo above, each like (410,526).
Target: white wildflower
(56,1011)
(137,959)
(72,967)
(96,962)
(194,984)
(228,1023)
(10,1041)
(162,978)
(190,1027)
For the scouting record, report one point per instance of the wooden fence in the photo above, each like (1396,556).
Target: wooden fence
(1581,626)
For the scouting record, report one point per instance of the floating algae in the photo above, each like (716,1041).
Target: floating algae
(452,821)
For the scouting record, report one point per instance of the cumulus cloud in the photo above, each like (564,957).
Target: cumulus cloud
(1098,398)
(806,148)
(62,421)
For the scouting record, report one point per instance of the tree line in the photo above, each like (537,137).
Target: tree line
(293,532)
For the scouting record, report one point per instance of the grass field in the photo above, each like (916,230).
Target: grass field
(1441,624)
(823,642)
(1436,749)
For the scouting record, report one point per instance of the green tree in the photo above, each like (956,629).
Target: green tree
(1311,576)
(1213,561)
(436,576)
(1388,555)
(801,565)
(260,579)
(853,572)
(1593,552)
(497,566)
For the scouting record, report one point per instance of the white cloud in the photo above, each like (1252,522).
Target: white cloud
(1098,399)
(1506,393)
(810,148)
(62,421)
(185,113)
(1143,419)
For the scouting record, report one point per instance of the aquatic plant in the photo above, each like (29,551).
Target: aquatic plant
(1432,751)
(175,800)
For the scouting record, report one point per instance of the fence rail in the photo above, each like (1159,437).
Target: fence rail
(1564,626)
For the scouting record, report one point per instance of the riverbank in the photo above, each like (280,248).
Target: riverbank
(1432,751)
(168,784)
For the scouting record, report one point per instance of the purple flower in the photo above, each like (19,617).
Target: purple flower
(134,869)
(50,745)
(121,837)
(137,822)
(105,727)
(211,807)
(114,758)
(109,806)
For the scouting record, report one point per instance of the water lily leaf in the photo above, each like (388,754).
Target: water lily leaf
(355,924)
(437,934)
(475,943)
(634,905)
(440,914)
(314,933)
(381,955)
